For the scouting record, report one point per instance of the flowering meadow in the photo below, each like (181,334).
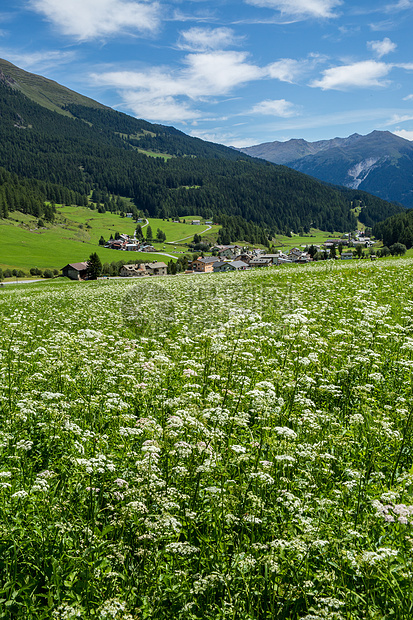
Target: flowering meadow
(225,446)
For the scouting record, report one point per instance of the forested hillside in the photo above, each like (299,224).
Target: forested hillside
(34,197)
(85,148)
(396,229)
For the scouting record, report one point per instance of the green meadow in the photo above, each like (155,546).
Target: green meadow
(228,447)
(73,237)
(76,233)
(315,237)
(181,232)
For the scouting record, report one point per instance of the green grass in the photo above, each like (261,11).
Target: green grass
(229,447)
(178,231)
(65,242)
(315,237)
(163,156)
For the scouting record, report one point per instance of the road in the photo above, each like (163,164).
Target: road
(23,281)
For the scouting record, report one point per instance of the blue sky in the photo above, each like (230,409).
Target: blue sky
(235,72)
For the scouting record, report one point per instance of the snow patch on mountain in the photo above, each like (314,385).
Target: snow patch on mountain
(360,171)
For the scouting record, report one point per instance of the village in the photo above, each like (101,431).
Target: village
(230,257)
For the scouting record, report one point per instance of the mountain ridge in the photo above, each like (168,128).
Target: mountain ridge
(380,162)
(55,135)
(42,90)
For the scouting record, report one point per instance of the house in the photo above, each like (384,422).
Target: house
(204,265)
(229,251)
(303,259)
(346,255)
(133,271)
(131,247)
(274,257)
(147,248)
(245,257)
(260,261)
(156,269)
(75,271)
(237,265)
(219,266)
(196,222)
(144,269)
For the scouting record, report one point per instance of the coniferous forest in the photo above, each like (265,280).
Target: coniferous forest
(396,229)
(100,149)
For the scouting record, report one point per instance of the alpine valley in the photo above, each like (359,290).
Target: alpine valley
(380,163)
(59,146)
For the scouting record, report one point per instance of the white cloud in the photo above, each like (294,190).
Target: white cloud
(275,107)
(300,8)
(381,48)
(287,69)
(89,19)
(399,118)
(166,93)
(404,133)
(218,135)
(166,109)
(204,75)
(158,93)
(365,74)
(38,61)
(402,5)
(204,39)
(408,98)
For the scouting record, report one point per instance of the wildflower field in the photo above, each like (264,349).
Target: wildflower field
(228,446)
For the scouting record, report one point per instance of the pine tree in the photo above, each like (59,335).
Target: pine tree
(94,266)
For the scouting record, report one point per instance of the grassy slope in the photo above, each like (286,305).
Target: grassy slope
(23,247)
(46,92)
(316,237)
(76,235)
(180,231)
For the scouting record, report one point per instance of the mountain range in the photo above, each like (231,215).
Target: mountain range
(52,135)
(380,163)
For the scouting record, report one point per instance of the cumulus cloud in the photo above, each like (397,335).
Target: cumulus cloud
(160,92)
(300,9)
(90,19)
(287,69)
(163,93)
(381,48)
(275,107)
(204,39)
(166,109)
(365,74)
